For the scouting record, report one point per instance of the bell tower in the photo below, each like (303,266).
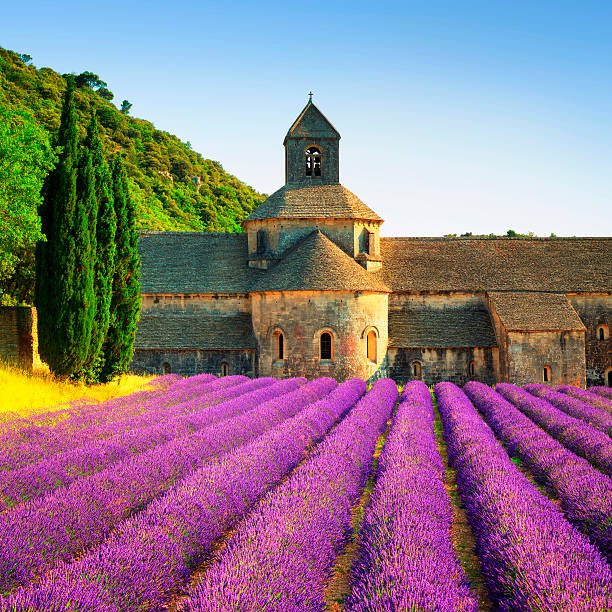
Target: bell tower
(312,149)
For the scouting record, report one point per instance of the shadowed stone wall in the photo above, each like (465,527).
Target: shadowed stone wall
(19,336)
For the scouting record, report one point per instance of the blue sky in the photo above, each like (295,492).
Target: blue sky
(454,116)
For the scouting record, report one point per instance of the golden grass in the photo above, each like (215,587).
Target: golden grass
(25,393)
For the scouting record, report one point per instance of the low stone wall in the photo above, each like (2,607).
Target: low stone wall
(19,336)
(443,364)
(189,363)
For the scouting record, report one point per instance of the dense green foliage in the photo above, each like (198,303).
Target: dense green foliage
(172,186)
(103,236)
(25,159)
(65,261)
(125,303)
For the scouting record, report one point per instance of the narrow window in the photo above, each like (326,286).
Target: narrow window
(262,242)
(224,368)
(472,368)
(281,347)
(371,345)
(326,345)
(313,162)
(364,241)
(546,374)
(166,367)
(609,378)
(416,370)
(603,332)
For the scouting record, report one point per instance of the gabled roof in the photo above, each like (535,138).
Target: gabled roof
(556,265)
(317,264)
(194,332)
(296,201)
(535,311)
(312,123)
(193,262)
(416,325)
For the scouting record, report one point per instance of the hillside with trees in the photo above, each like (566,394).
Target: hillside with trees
(172,186)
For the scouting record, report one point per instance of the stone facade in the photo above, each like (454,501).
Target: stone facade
(18,336)
(312,289)
(311,263)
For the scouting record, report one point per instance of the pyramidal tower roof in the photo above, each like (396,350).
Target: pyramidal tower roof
(312,123)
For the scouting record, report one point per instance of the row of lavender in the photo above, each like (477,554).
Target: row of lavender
(36,535)
(167,423)
(382,580)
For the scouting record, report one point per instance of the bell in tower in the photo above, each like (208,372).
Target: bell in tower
(311,149)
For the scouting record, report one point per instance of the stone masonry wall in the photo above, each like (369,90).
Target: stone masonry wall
(189,363)
(530,352)
(595,310)
(302,315)
(19,336)
(210,304)
(443,364)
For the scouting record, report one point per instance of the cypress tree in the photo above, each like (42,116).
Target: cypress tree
(103,241)
(125,302)
(59,263)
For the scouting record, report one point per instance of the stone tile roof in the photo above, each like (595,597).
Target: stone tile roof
(416,326)
(312,123)
(317,264)
(194,332)
(194,262)
(535,311)
(304,201)
(504,264)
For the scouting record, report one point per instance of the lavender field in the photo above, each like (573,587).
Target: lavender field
(231,494)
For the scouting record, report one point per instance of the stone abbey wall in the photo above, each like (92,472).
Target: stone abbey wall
(595,311)
(19,336)
(302,316)
(189,363)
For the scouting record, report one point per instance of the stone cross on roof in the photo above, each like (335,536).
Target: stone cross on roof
(310,98)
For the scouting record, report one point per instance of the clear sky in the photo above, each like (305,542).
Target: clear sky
(455,116)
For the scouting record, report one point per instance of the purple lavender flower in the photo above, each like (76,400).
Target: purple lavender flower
(594,399)
(406,559)
(149,556)
(280,556)
(37,535)
(531,557)
(575,434)
(595,416)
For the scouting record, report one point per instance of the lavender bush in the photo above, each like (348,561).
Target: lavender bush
(603,391)
(279,558)
(575,434)
(62,469)
(148,557)
(36,535)
(36,443)
(585,494)
(406,559)
(594,416)
(531,557)
(588,397)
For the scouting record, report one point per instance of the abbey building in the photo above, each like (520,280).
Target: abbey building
(310,288)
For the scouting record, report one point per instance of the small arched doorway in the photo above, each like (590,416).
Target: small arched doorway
(166,369)
(225,369)
(546,374)
(416,370)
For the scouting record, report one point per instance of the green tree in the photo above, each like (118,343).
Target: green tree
(26,157)
(102,232)
(126,105)
(64,278)
(125,302)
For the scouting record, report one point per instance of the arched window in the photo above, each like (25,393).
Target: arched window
(262,241)
(603,332)
(416,370)
(472,368)
(546,374)
(166,367)
(371,345)
(326,346)
(313,162)
(224,368)
(279,341)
